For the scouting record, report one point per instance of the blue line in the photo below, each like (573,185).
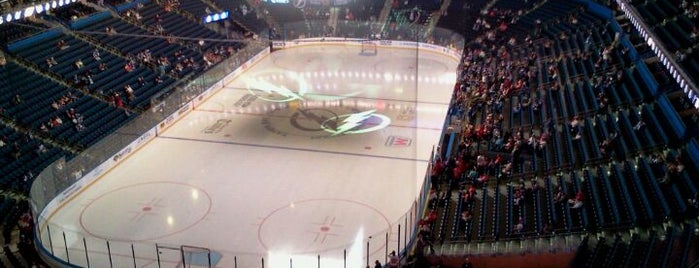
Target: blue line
(295,149)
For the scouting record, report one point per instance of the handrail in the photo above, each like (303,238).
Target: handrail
(667,58)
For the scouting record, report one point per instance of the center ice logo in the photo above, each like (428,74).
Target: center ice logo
(322,123)
(356,123)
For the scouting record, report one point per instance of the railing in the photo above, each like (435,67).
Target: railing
(545,243)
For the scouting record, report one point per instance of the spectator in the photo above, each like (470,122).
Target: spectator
(467,263)
(588,43)
(431,217)
(377,264)
(87,78)
(55,122)
(129,67)
(129,93)
(61,44)
(78,64)
(673,168)
(118,102)
(76,80)
(79,125)
(71,114)
(576,202)
(466,216)
(96,55)
(433,198)
(159,28)
(606,56)
(470,194)
(517,109)
(559,195)
(51,62)
(575,126)
(603,100)
(519,227)
(694,201)
(393,260)
(518,196)
(604,147)
(41,149)
(680,56)
(421,244)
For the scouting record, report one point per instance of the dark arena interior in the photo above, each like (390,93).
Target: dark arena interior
(570,139)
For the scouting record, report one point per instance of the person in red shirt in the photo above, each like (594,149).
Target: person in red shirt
(502,27)
(577,202)
(431,217)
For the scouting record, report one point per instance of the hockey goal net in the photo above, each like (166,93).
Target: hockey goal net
(369,48)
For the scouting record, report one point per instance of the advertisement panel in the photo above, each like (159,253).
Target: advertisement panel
(173,118)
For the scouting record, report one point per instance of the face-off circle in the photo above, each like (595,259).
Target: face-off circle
(145,211)
(319,225)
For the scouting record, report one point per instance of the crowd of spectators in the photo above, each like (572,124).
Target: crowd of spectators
(499,69)
(179,63)
(690,10)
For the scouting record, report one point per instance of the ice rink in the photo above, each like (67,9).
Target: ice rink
(309,152)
